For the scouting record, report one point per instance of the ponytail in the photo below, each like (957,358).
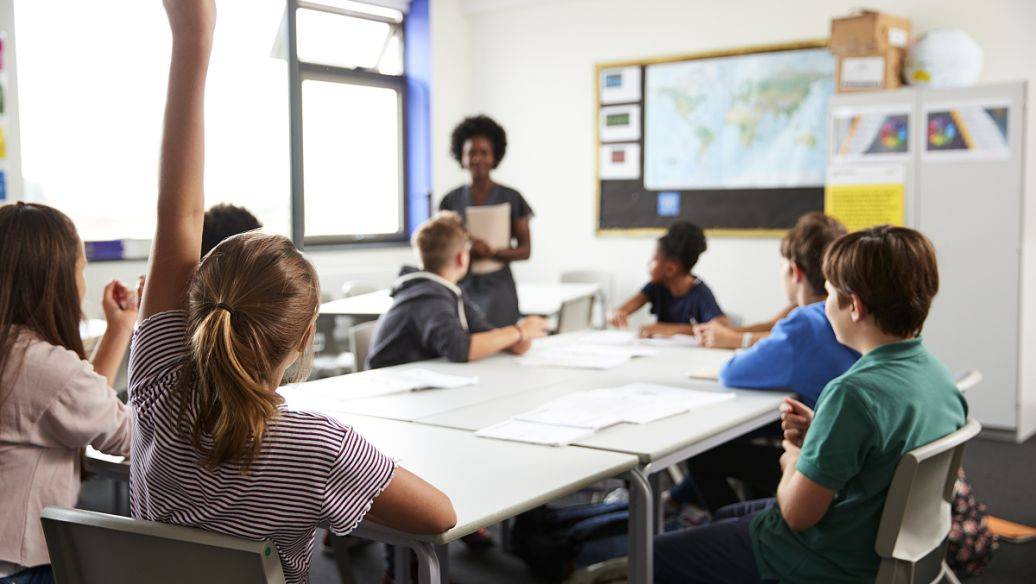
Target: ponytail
(251,306)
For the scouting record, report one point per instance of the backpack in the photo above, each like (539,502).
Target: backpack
(971,544)
(549,539)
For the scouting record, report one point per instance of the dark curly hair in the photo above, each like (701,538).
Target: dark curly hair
(479,125)
(684,242)
(223,221)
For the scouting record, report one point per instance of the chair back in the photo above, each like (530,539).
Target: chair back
(967,380)
(87,547)
(603,279)
(917,515)
(575,315)
(360,337)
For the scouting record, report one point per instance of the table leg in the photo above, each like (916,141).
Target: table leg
(428,569)
(656,498)
(442,552)
(641,532)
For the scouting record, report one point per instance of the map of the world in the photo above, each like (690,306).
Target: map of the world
(747,121)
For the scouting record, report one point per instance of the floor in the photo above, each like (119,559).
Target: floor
(1002,474)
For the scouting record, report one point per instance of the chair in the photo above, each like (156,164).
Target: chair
(603,279)
(87,547)
(967,380)
(575,315)
(356,287)
(360,338)
(917,515)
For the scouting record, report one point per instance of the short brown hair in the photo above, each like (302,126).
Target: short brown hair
(805,243)
(894,272)
(438,238)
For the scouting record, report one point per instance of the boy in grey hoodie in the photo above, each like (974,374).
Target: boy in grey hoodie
(431,318)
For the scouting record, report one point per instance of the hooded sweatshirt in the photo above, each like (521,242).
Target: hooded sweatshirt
(430,318)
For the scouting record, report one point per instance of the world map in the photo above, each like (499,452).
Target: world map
(747,121)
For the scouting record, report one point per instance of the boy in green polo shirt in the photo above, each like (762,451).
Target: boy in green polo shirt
(838,463)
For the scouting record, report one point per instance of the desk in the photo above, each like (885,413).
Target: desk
(487,480)
(537,299)
(507,388)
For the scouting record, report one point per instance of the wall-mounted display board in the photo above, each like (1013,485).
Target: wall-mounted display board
(735,141)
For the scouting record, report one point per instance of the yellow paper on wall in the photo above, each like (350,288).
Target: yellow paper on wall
(862,197)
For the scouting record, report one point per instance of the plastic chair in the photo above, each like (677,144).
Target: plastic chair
(360,338)
(917,515)
(603,280)
(87,547)
(967,380)
(575,315)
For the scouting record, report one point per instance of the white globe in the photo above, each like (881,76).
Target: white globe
(944,57)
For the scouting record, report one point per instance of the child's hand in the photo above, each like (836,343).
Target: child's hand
(795,420)
(717,336)
(191,19)
(659,329)
(119,305)
(618,319)
(534,327)
(790,456)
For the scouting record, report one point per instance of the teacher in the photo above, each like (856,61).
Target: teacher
(479,144)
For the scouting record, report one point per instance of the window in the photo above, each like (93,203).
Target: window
(91,96)
(348,123)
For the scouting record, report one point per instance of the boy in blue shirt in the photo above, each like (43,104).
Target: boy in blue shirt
(800,354)
(839,461)
(678,298)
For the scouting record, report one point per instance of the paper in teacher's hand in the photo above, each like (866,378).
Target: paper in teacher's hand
(492,224)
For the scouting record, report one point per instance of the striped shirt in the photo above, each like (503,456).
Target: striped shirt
(311,470)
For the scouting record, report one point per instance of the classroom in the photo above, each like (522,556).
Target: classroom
(517,291)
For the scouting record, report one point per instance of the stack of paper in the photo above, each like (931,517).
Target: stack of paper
(577,415)
(534,433)
(381,382)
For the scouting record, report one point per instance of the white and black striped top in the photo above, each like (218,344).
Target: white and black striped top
(310,471)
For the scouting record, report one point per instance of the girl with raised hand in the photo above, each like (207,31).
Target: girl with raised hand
(216,448)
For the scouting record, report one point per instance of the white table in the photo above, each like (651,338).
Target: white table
(507,388)
(537,299)
(487,480)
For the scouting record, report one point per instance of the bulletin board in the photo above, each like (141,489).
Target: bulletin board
(734,140)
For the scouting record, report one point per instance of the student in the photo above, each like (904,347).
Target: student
(478,144)
(215,448)
(678,298)
(801,355)
(53,403)
(838,463)
(225,220)
(432,317)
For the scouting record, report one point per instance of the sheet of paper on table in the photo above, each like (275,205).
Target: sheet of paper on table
(534,433)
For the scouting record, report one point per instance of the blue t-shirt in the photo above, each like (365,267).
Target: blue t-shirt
(698,304)
(801,354)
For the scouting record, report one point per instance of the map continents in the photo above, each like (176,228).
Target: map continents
(747,121)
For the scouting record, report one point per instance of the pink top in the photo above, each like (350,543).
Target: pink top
(53,405)
(310,470)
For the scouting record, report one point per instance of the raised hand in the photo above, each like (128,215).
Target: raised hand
(191,19)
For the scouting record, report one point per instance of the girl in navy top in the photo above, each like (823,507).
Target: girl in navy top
(678,298)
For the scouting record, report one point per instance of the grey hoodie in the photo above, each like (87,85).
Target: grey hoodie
(429,318)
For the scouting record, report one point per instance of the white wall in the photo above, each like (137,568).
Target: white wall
(532,69)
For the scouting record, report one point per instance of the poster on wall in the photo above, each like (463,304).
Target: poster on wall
(966,131)
(620,161)
(862,196)
(620,123)
(870,133)
(620,84)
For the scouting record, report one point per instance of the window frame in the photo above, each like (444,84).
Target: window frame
(299,71)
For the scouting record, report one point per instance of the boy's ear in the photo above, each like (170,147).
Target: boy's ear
(857,310)
(797,271)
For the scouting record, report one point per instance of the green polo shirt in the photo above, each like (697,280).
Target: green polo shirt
(893,400)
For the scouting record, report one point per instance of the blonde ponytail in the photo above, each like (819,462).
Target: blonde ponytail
(251,306)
